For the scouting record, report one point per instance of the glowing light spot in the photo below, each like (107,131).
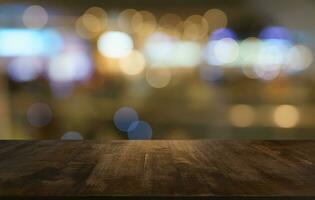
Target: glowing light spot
(275,32)
(226,50)
(98,12)
(158,78)
(35,17)
(298,58)
(286,116)
(186,54)
(143,23)
(124,117)
(115,44)
(223,33)
(170,19)
(195,28)
(72,135)
(133,63)
(39,114)
(92,23)
(272,53)
(216,19)
(242,115)
(125,19)
(83,31)
(162,50)
(158,49)
(23,69)
(140,130)
(71,66)
(26,42)
(249,51)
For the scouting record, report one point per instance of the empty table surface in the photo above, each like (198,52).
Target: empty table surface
(157,168)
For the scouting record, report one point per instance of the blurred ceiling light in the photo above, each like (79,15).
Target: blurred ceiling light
(86,32)
(276,32)
(98,12)
(286,116)
(210,56)
(23,69)
(69,66)
(24,42)
(158,49)
(158,78)
(143,23)
(186,54)
(35,17)
(195,28)
(115,44)
(92,23)
(273,52)
(242,115)
(125,19)
(226,50)
(169,19)
(299,57)
(133,63)
(249,51)
(216,19)
(162,50)
(223,33)
(39,114)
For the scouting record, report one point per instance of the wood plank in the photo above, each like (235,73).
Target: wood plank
(157,168)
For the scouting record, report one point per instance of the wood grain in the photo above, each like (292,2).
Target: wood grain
(157,168)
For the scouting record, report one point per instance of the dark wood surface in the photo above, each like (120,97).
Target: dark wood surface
(157,168)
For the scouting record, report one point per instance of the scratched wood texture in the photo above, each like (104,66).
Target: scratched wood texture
(157,168)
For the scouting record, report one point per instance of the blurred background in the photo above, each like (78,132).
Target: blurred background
(158,69)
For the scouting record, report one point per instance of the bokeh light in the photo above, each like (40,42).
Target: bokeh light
(115,44)
(226,50)
(71,135)
(39,114)
(23,69)
(195,28)
(249,51)
(223,33)
(124,117)
(29,42)
(143,23)
(275,32)
(298,58)
(125,19)
(69,66)
(286,116)
(35,17)
(242,115)
(133,63)
(169,19)
(158,78)
(140,130)
(216,19)
(158,49)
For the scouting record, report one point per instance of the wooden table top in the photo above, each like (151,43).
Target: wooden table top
(157,168)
